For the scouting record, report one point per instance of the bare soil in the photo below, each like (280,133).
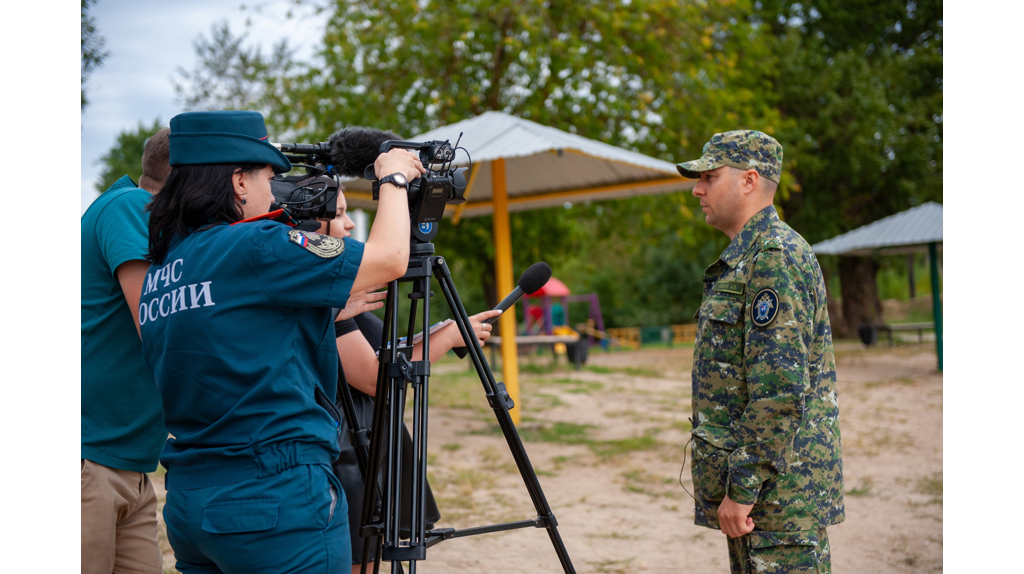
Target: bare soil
(607,444)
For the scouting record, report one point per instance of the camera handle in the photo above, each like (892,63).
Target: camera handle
(395,374)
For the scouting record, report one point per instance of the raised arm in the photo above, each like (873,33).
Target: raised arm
(386,255)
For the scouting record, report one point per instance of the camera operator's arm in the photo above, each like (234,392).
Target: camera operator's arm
(386,255)
(448,338)
(360,360)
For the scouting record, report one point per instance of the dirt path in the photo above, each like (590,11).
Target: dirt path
(607,443)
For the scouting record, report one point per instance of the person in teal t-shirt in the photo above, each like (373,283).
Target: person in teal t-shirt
(122,419)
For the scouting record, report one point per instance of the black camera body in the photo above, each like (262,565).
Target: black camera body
(429,193)
(308,198)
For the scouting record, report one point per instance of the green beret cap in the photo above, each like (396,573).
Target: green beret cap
(201,138)
(742,149)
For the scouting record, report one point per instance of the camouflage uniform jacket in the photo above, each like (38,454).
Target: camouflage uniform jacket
(765,406)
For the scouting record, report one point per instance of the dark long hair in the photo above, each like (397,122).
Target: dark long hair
(194,198)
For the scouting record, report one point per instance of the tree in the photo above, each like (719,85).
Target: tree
(92,46)
(125,157)
(862,82)
(230,75)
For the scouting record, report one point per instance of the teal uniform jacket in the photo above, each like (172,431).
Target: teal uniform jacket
(237,330)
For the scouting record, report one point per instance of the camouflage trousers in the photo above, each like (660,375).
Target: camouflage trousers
(762,552)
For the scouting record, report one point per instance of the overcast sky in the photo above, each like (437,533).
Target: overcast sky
(147,41)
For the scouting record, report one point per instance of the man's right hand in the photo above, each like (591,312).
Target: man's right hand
(399,161)
(734,518)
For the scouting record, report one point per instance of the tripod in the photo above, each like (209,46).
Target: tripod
(382,498)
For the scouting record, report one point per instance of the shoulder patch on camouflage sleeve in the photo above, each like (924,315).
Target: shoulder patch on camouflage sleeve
(771,243)
(323,246)
(765,307)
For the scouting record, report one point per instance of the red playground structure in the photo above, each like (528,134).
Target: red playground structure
(547,313)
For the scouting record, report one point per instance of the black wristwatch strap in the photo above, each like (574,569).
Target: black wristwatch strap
(391,179)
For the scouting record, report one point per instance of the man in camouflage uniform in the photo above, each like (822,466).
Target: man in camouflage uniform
(767,460)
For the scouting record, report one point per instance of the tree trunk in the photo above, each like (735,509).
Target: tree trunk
(859,286)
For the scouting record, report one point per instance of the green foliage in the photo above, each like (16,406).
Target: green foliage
(231,75)
(862,81)
(93,53)
(125,157)
(852,89)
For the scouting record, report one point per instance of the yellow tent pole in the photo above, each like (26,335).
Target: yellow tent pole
(504,284)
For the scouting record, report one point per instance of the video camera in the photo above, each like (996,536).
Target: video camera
(313,197)
(429,193)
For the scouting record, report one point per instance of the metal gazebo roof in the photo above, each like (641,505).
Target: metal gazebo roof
(916,229)
(909,231)
(546,167)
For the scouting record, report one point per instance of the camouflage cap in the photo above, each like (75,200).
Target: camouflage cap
(742,149)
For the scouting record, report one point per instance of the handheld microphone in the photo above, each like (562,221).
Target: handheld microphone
(529,282)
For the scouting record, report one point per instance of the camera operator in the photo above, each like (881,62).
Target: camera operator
(358,330)
(122,420)
(237,331)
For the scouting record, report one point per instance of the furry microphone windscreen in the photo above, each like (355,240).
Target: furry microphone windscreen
(352,149)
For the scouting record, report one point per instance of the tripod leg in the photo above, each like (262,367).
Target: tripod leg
(508,428)
(386,355)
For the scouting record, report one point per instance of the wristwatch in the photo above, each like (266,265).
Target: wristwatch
(397,178)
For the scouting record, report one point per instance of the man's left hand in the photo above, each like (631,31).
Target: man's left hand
(735,518)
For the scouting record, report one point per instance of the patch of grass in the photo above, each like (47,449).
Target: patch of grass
(863,490)
(559,432)
(612,448)
(537,402)
(490,455)
(452,446)
(579,386)
(458,391)
(466,481)
(535,368)
(562,460)
(683,426)
(631,371)
(879,439)
(931,486)
(642,482)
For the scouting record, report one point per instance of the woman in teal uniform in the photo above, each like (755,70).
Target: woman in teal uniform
(236,327)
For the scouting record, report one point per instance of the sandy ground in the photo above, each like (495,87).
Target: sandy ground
(607,444)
